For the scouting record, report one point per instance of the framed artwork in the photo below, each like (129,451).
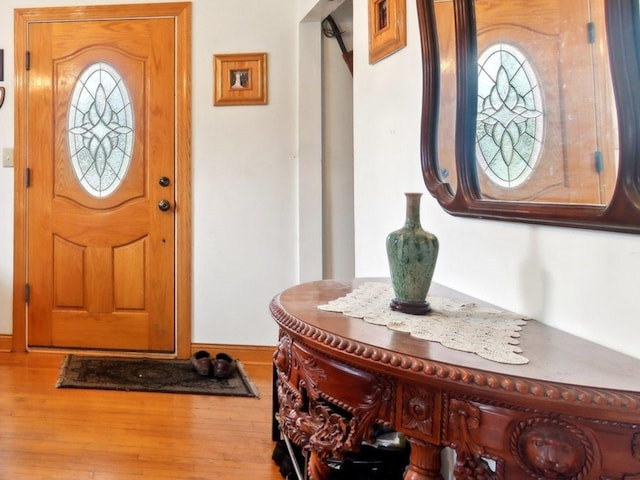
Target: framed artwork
(240,79)
(387,28)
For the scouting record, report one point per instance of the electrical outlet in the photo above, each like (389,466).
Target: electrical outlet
(7,157)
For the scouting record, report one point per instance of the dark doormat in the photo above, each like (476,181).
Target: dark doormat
(149,375)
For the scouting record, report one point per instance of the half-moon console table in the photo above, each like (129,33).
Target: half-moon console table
(572,412)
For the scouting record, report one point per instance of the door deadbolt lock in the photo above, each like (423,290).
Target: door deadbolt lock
(164,181)
(164,205)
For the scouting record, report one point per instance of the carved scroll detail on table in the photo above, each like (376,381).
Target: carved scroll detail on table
(489,333)
(311,417)
(470,457)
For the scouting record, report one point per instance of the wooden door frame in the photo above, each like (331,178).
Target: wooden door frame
(181,12)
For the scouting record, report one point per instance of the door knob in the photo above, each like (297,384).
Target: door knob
(164,205)
(164,181)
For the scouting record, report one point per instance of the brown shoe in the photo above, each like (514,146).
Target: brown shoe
(222,365)
(201,361)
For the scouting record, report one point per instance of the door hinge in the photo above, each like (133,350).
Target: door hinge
(591,32)
(27,293)
(27,60)
(599,163)
(27,177)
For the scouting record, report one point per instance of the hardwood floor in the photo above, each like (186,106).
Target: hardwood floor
(49,433)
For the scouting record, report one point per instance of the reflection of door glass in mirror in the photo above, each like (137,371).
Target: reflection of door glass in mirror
(447,108)
(383,16)
(510,121)
(546,126)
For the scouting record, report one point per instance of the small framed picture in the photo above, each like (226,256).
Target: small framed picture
(240,79)
(387,28)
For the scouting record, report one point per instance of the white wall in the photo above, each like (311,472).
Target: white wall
(6,174)
(337,126)
(325,146)
(245,193)
(584,282)
(244,171)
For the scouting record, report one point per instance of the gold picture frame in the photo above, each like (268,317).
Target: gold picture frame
(387,28)
(240,79)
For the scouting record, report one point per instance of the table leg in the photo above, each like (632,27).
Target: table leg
(316,468)
(424,461)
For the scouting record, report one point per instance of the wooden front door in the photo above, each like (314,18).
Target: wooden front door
(101,157)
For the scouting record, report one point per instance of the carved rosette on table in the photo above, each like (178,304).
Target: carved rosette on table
(419,405)
(314,419)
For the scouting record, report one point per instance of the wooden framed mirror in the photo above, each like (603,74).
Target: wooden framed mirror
(531,110)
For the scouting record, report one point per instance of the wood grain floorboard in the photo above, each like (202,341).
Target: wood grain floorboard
(48,433)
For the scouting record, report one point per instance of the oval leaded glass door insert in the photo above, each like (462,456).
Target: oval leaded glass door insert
(100,129)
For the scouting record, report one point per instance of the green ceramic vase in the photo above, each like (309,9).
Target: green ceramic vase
(412,254)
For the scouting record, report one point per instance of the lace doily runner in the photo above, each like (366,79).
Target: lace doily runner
(489,333)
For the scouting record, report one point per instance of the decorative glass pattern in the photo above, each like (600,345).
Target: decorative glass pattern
(100,130)
(510,122)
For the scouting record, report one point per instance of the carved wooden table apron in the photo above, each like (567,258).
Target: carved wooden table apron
(572,412)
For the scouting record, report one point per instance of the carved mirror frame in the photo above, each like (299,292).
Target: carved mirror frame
(621,214)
